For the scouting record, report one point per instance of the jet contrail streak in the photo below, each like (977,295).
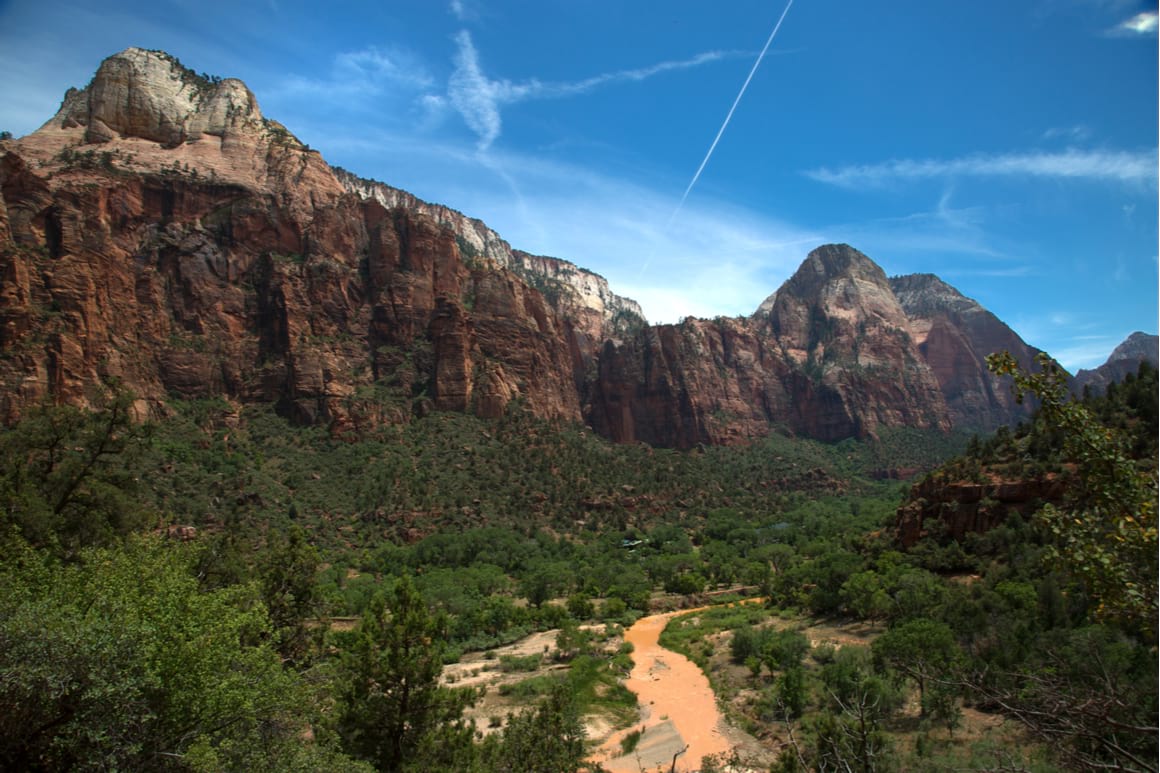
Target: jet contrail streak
(721,131)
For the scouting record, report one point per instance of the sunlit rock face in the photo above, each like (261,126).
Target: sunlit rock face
(159,231)
(954,335)
(961,507)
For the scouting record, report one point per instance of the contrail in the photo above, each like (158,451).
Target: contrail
(721,131)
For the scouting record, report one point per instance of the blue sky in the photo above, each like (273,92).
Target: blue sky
(1009,147)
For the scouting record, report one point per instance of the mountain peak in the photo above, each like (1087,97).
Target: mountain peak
(186,245)
(151,95)
(144,112)
(925,294)
(823,265)
(841,280)
(1126,358)
(831,261)
(1137,346)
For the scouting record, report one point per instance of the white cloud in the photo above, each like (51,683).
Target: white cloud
(1084,353)
(1076,339)
(375,65)
(1077,133)
(642,73)
(474,95)
(1143,23)
(943,230)
(1097,165)
(712,261)
(364,73)
(479,99)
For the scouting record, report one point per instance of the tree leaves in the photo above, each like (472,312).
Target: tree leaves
(1106,533)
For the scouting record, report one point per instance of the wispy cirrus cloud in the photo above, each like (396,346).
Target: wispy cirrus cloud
(943,229)
(479,99)
(719,259)
(994,273)
(1077,133)
(367,72)
(1094,165)
(1143,23)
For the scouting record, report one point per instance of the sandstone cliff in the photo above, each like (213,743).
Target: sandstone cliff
(954,335)
(958,508)
(161,231)
(827,356)
(837,321)
(582,296)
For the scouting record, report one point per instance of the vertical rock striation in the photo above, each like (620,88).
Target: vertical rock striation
(159,230)
(954,336)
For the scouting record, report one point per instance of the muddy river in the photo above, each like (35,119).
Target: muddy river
(679,715)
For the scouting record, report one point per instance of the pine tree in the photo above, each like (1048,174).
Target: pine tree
(392,703)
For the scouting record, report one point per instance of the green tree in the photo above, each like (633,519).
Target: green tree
(118,660)
(922,650)
(549,737)
(848,734)
(790,691)
(865,596)
(67,478)
(572,640)
(580,606)
(784,650)
(392,706)
(1106,532)
(290,592)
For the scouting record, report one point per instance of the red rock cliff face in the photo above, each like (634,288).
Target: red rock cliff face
(160,231)
(188,263)
(963,507)
(954,335)
(828,356)
(703,381)
(839,326)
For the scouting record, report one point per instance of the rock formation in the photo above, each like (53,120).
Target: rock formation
(1124,359)
(582,296)
(160,231)
(827,356)
(963,507)
(954,335)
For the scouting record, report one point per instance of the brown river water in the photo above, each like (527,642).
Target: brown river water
(679,713)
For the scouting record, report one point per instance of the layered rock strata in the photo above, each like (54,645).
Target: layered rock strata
(160,231)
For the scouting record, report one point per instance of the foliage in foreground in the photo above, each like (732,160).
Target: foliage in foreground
(119,661)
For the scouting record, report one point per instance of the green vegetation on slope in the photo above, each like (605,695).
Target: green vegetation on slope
(473,533)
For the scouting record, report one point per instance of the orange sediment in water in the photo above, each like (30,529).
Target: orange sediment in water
(678,708)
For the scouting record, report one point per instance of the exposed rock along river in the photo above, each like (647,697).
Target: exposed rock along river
(678,708)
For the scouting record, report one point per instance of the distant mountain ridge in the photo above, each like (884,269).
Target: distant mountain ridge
(160,231)
(1126,358)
